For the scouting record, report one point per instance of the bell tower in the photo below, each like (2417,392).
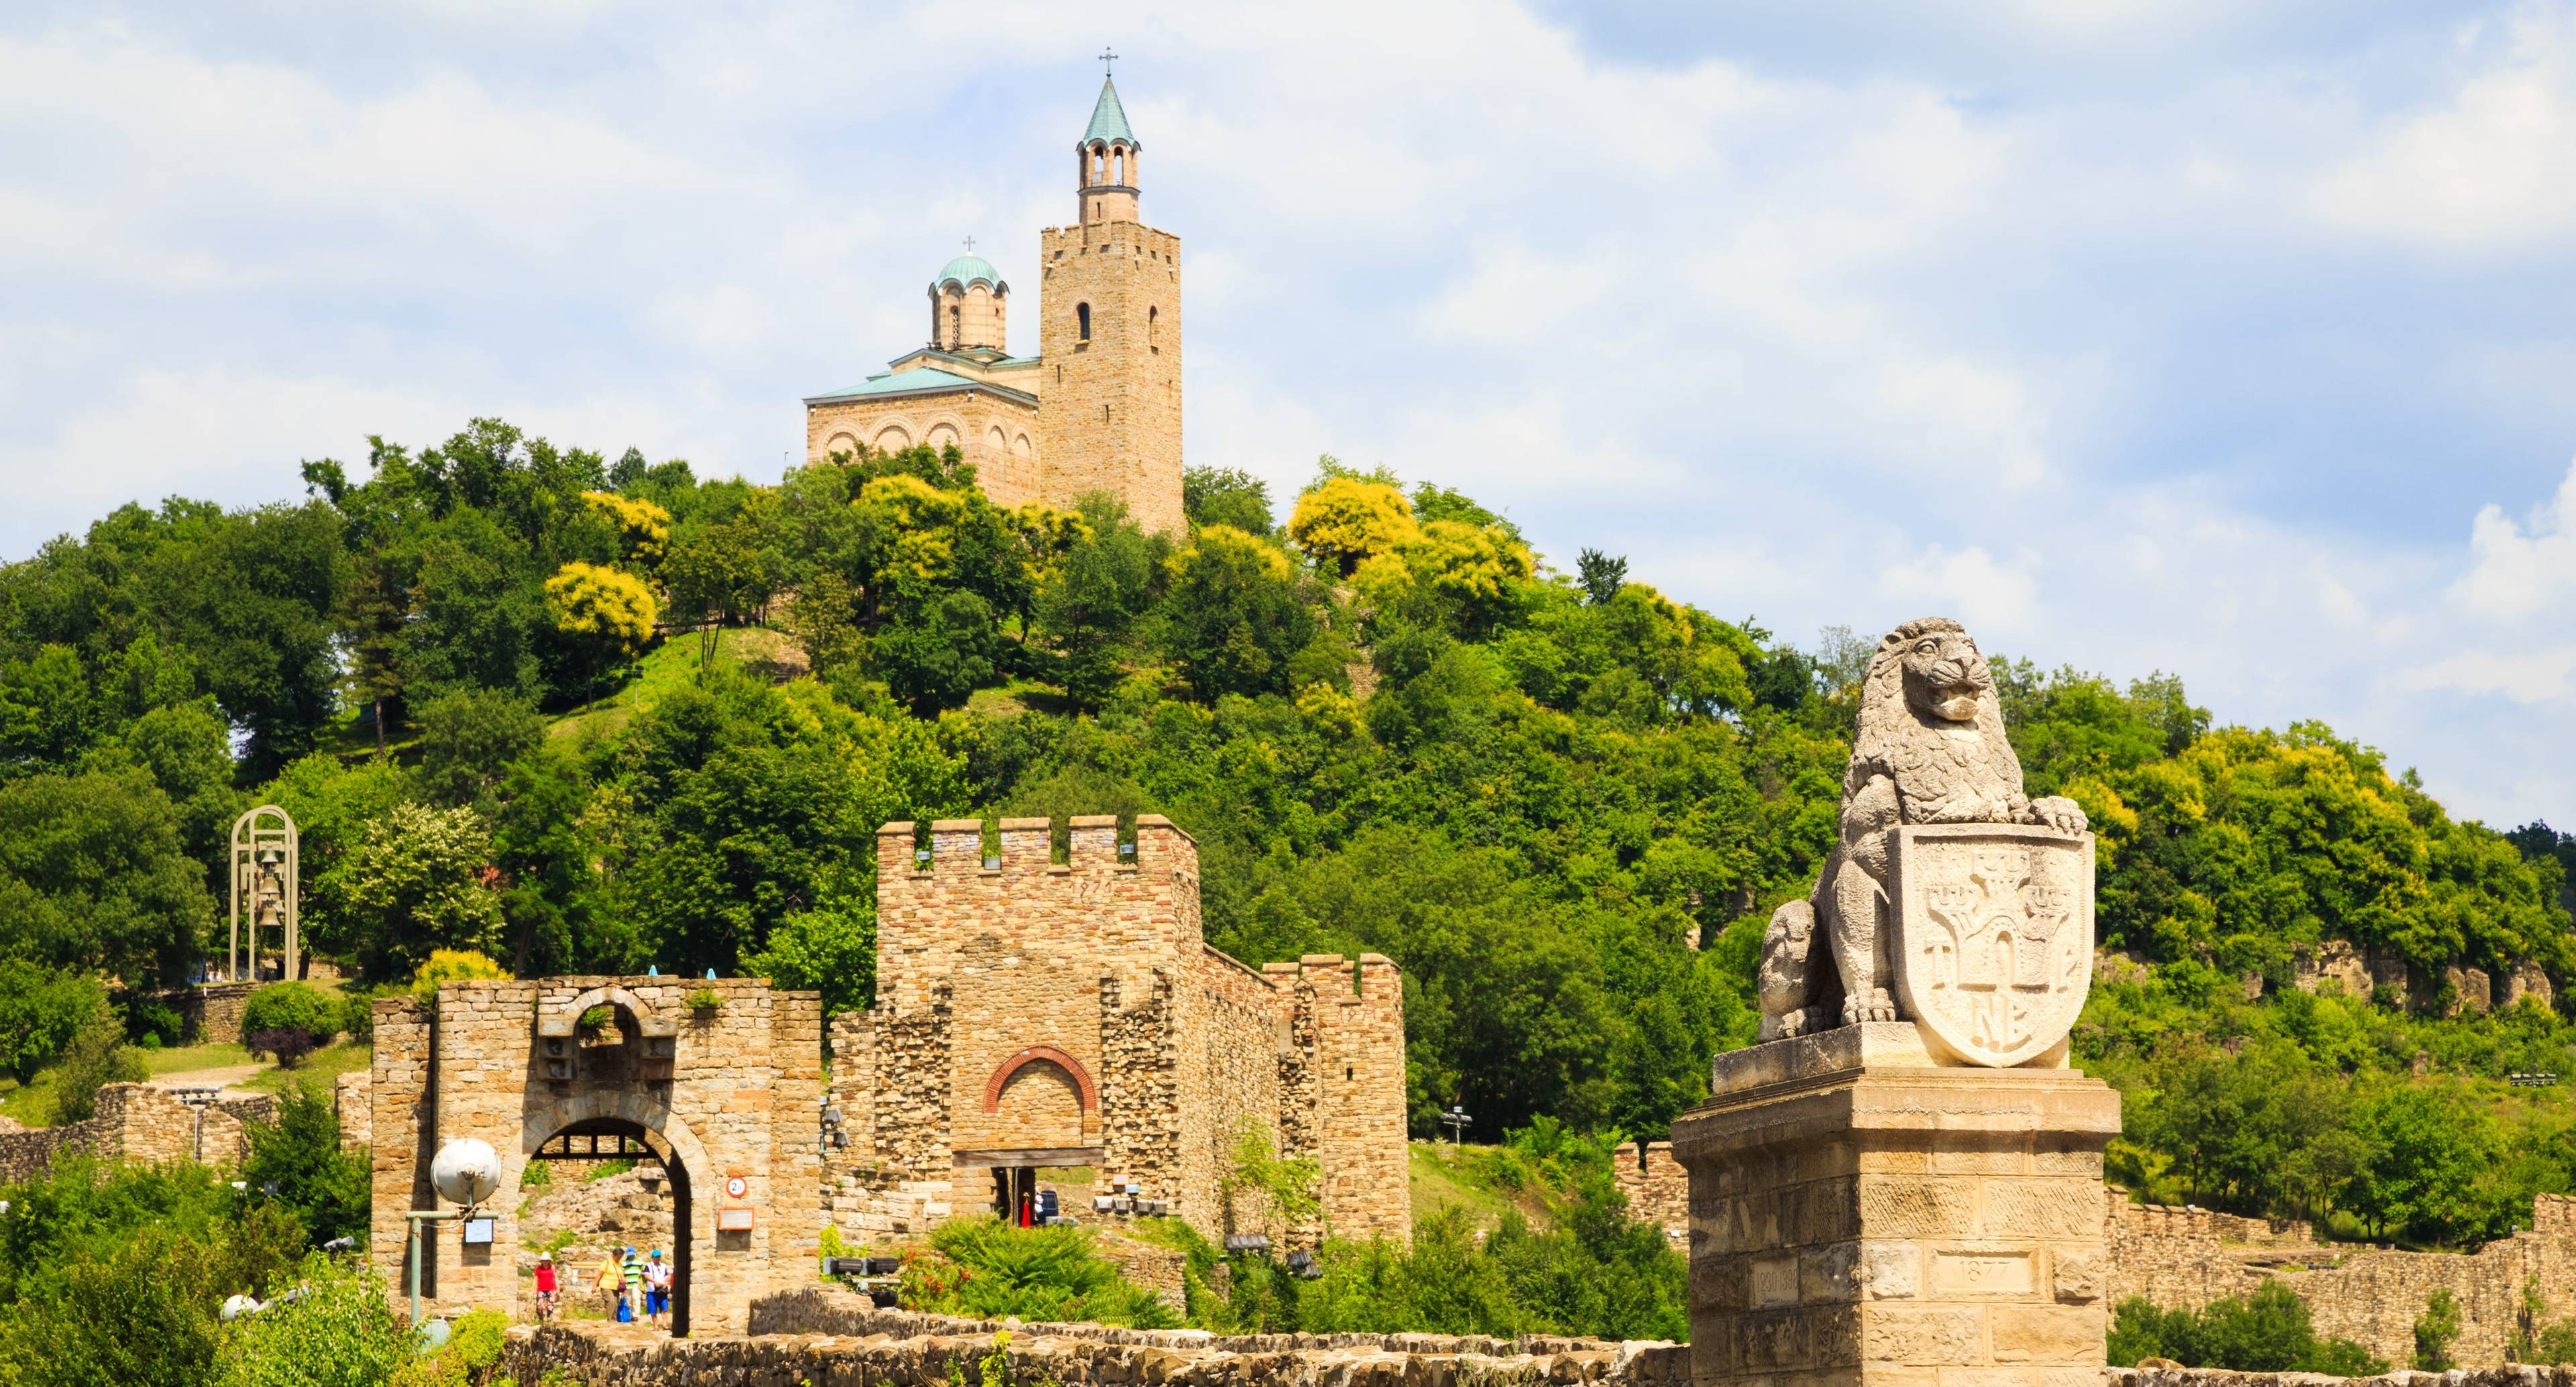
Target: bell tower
(1109,417)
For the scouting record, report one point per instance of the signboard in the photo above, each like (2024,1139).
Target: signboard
(478,1232)
(733,1220)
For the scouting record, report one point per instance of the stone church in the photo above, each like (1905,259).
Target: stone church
(1097,409)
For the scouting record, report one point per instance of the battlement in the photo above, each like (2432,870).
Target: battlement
(1064,242)
(1025,847)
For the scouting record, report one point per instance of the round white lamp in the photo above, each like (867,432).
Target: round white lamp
(466,1172)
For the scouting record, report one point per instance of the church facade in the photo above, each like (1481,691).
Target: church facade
(1097,409)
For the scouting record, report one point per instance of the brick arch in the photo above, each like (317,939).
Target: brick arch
(1081,1077)
(560,1021)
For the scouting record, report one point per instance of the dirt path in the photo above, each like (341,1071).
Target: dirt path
(224,1078)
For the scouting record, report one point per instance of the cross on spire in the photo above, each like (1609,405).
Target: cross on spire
(1107,57)
(970,245)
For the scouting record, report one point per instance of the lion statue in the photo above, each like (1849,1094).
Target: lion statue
(1929,749)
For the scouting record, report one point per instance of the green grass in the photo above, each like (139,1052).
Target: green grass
(1438,1186)
(179,1059)
(673,664)
(323,1066)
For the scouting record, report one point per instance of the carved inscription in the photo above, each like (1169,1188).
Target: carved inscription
(1994,934)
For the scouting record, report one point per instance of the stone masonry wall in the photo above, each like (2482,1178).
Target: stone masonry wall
(2189,1257)
(142,1123)
(1060,1014)
(1657,1187)
(729,1091)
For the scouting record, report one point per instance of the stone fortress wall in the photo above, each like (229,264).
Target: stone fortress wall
(143,1123)
(1033,1014)
(2190,1257)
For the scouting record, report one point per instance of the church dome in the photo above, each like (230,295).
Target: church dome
(965,270)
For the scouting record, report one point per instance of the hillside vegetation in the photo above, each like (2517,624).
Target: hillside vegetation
(594,717)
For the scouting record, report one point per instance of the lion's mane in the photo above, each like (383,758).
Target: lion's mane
(1927,763)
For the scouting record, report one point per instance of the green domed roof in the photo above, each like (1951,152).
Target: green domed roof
(966,269)
(1109,119)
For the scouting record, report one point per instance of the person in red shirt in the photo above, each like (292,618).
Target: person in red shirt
(545,1286)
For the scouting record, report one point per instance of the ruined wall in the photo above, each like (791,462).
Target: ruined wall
(210,1013)
(142,1123)
(1657,1187)
(2190,1257)
(1228,1087)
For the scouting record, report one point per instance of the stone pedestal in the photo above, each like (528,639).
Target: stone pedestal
(1864,1214)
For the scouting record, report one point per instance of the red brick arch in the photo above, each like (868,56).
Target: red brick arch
(1003,1072)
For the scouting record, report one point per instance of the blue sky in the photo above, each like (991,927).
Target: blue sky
(2222,338)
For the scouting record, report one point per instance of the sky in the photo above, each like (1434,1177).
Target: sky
(2220,338)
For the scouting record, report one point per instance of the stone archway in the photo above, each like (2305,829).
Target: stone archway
(683,1158)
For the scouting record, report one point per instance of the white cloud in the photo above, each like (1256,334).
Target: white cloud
(2515,571)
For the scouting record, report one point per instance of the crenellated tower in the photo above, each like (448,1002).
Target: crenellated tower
(1109,340)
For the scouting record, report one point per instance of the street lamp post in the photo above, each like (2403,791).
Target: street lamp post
(1456,1119)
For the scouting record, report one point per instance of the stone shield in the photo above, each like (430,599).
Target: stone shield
(1992,940)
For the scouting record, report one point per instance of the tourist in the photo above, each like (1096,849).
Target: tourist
(545,1286)
(657,1289)
(605,1281)
(634,1279)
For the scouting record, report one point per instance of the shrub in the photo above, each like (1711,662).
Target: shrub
(2434,1331)
(297,1161)
(152,1023)
(289,1020)
(986,1269)
(2269,1331)
(451,965)
(40,1011)
(97,1056)
(340,1332)
(704,1000)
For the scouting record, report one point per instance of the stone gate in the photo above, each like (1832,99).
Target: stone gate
(716,1081)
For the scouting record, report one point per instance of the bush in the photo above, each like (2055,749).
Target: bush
(2435,1329)
(986,1269)
(40,1011)
(341,1332)
(451,965)
(152,1023)
(2267,1332)
(297,1161)
(289,1020)
(97,1056)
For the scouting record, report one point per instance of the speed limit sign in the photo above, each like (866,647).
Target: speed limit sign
(736,1187)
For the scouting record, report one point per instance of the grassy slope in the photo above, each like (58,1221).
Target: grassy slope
(1440,1185)
(673,664)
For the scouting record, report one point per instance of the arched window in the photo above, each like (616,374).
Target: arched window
(1082,321)
(1118,166)
(956,329)
(1153,329)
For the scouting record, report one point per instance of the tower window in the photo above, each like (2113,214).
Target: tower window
(956,331)
(1153,330)
(1082,321)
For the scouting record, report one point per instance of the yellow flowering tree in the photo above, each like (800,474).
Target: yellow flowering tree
(643,528)
(608,611)
(1346,521)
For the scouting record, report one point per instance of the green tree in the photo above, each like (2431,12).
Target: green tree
(93,876)
(1094,597)
(469,739)
(413,883)
(607,613)
(95,1057)
(2435,1330)
(296,1160)
(831,949)
(937,653)
(1225,496)
(1233,617)
(340,1331)
(41,1010)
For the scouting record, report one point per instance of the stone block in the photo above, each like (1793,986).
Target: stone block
(2052,1334)
(1921,1336)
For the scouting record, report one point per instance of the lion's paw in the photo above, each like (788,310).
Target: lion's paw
(2059,812)
(1875,1005)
